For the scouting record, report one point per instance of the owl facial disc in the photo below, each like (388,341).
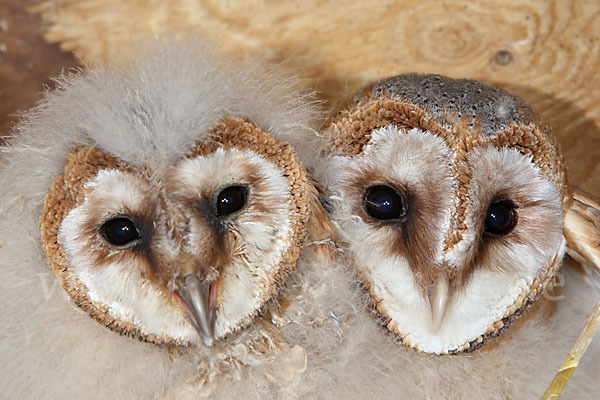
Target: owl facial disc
(190,253)
(450,196)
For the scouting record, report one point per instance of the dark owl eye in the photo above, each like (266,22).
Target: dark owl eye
(384,202)
(231,199)
(120,231)
(501,218)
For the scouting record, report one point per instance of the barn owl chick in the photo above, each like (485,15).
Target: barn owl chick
(451,196)
(166,200)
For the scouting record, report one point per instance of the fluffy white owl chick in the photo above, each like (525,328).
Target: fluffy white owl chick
(451,198)
(160,200)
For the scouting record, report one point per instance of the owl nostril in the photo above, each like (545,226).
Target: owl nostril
(192,265)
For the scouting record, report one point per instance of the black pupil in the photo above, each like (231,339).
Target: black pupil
(230,200)
(500,219)
(120,231)
(383,202)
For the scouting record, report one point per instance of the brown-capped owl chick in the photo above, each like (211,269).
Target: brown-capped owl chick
(451,197)
(158,200)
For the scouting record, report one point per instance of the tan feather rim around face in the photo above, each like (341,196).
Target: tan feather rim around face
(82,165)
(466,115)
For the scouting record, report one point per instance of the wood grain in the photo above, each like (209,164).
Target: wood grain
(26,61)
(547,52)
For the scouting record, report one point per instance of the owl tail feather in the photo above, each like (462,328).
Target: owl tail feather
(582,231)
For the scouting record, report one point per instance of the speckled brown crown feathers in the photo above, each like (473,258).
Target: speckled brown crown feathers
(82,165)
(465,113)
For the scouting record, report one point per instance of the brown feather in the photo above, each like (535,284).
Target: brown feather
(582,228)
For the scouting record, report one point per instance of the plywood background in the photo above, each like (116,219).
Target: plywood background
(546,51)
(26,60)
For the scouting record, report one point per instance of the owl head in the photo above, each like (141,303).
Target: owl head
(174,208)
(451,196)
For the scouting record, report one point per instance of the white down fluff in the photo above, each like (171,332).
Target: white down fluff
(150,112)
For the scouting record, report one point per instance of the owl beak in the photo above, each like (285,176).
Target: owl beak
(439,294)
(198,302)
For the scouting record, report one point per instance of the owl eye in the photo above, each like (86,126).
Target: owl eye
(231,199)
(501,218)
(120,231)
(383,202)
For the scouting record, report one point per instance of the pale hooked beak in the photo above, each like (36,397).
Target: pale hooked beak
(198,300)
(439,294)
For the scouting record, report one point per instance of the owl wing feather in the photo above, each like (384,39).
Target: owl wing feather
(582,229)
